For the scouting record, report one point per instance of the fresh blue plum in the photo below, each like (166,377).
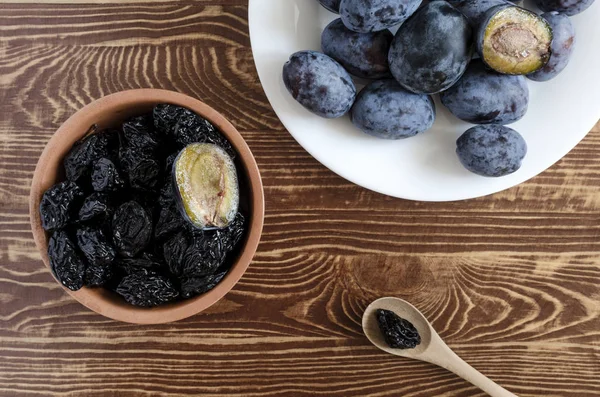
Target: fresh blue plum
(491,150)
(386,110)
(319,83)
(431,50)
(569,7)
(562,46)
(331,5)
(475,10)
(483,96)
(374,15)
(362,54)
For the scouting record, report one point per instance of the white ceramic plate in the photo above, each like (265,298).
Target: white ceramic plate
(425,167)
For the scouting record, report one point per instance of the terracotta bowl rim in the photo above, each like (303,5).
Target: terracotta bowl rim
(94,299)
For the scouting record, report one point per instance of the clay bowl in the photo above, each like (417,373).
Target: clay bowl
(111,111)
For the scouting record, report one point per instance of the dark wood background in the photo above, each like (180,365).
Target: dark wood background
(511,281)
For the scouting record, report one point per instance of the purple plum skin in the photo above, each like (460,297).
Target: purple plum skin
(483,96)
(361,54)
(568,7)
(386,110)
(563,45)
(431,50)
(319,83)
(374,15)
(491,150)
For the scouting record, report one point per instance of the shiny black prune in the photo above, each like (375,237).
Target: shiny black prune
(79,161)
(397,332)
(60,204)
(98,276)
(66,264)
(95,246)
(140,135)
(166,117)
(185,127)
(96,206)
(132,229)
(199,285)
(146,263)
(169,221)
(106,176)
(192,128)
(143,173)
(194,256)
(147,289)
(233,233)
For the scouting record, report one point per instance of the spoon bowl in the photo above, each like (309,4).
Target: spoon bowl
(432,348)
(407,312)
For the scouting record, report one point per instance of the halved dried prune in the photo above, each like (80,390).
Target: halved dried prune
(207,186)
(95,246)
(60,204)
(66,264)
(106,176)
(96,206)
(132,229)
(397,332)
(199,285)
(79,161)
(147,289)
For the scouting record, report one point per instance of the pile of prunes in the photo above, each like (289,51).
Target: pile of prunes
(117,222)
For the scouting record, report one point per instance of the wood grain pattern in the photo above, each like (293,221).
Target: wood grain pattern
(511,281)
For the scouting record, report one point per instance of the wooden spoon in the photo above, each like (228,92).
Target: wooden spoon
(432,348)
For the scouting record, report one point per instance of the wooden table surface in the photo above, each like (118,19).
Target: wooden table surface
(511,281)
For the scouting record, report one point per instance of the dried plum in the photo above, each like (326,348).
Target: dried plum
(106,176)
(187,127)
(60,204)
(167,192)
(199,285)
(234,232)
(139,135)
(174,252)
(66,264)
(98,276)
(196,255)
(96,206)
(207,186)
(169,221)
(132,229)
(79,161)
(134,265)
(147,289)
(192,128)
(143,172)
(95,246)
(397,332)
(166,117)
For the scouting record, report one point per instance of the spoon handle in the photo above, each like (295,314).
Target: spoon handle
(444,357)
